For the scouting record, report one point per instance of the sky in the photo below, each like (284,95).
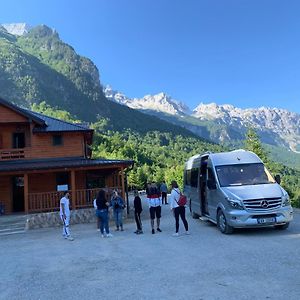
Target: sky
(239,52)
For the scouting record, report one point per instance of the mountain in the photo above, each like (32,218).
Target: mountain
(276,126)
(17,28)
(159,103)
(221,123)
(36,66)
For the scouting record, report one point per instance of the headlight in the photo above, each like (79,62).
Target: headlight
(237,204)
(286,200)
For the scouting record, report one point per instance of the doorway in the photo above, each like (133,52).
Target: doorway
(18,194)
(203,180)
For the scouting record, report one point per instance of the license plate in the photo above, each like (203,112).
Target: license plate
(266,220)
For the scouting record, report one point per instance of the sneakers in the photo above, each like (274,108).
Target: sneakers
(187,232)
(102,235)
(117,229)
(158,229)
(70,238)
(138,232)
(175,234)
(98,229)
(109,235)
(153,231)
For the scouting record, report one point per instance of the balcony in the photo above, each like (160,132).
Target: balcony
(10,154)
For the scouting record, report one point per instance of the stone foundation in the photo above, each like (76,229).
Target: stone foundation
(52,219)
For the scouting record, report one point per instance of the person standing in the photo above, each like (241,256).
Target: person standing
(177,210)
(102,213)
(154,201)
(137,203)
(64,212)
(98,220)
(164,190)
(118,205)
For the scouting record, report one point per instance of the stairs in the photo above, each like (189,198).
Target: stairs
(12,224)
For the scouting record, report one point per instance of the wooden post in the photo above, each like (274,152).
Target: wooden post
(26,198)
(73,189)
(122,182)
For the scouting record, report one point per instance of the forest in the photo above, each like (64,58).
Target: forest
(161,155)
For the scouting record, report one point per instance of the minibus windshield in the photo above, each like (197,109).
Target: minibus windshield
(243,174)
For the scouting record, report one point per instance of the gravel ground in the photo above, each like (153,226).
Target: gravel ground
(261,264)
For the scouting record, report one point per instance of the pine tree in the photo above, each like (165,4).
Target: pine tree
(253,143)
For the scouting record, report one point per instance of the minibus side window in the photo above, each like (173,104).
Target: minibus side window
(188,177)
(194,177)
(211,179)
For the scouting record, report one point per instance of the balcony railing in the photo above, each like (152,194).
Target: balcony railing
(7,154)
(49,201)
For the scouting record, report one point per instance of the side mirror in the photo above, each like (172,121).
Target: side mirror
(277,178)
(211,184)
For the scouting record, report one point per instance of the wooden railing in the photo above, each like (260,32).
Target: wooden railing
(6,154)
(49,201)
(41,202)
(85,198)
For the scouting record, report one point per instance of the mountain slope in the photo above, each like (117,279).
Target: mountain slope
(38,66)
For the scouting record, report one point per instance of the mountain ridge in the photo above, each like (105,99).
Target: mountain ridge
(276,126)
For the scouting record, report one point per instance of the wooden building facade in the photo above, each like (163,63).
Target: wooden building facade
(41,156)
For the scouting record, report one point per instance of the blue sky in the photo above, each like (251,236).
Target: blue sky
(241,52)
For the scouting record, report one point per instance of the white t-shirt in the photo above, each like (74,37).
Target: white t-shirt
(66,203)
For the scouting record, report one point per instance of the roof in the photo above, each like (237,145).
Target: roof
(26,113)
(45,123)
(58,163)
(55,125)
(234,157)
(225,158)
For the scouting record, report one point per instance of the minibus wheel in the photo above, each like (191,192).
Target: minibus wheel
(222,223)
(194,215)
(283,226)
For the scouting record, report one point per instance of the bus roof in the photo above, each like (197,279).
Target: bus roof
(225,158)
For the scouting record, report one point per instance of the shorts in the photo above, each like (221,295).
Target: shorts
(155,211)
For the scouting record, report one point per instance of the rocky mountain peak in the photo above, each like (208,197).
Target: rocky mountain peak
(17,28)
(160,102)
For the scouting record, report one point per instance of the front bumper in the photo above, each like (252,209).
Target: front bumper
(246,218)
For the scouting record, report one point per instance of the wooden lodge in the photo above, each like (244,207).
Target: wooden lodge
(42,156)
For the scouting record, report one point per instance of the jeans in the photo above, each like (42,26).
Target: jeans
(118,215)
(180,211)
(103,216)
(137,216)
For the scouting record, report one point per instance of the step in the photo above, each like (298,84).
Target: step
(12,232)
(18,228)
(12,224)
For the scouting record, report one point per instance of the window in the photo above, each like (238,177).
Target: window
(194,177)
(19,140)
(62,178)
(188,177)
(57,140)
(243,174)
(211,179)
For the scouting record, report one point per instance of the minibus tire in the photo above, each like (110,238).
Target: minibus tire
(283,226)
(194,215)
(222,223)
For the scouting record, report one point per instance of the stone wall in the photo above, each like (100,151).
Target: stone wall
(52,219)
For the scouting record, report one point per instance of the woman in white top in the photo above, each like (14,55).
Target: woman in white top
(177,210)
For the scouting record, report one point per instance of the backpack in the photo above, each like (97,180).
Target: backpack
(182,199)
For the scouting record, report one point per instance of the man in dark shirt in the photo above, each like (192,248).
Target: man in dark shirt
(137,212)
